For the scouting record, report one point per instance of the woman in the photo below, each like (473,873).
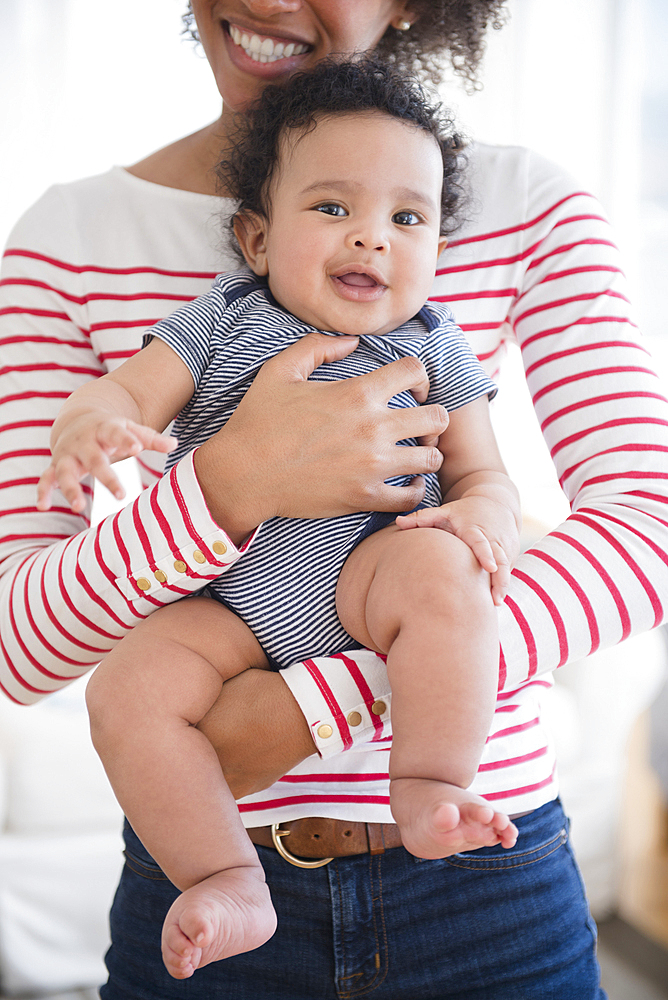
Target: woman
(86,271)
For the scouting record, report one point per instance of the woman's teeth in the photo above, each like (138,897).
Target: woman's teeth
(264,50)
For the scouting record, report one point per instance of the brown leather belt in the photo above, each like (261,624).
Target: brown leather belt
(325,839)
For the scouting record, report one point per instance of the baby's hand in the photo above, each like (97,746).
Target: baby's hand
(88,445)
(486,526)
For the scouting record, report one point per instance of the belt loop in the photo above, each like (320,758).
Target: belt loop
(374,832)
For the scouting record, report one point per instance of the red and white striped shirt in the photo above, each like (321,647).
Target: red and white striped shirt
(95,263)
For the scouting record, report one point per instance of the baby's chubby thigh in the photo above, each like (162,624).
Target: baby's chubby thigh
(396,577)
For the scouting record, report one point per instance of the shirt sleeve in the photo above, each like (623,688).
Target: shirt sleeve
(455,374)
(603,574)
(69,591)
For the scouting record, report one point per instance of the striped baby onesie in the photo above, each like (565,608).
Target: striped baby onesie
(284,588)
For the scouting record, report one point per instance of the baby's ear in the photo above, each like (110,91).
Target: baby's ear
(250,230)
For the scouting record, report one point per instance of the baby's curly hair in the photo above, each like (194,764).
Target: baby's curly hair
(452,28)
(332,88)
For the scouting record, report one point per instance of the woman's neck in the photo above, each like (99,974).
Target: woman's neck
(189,163)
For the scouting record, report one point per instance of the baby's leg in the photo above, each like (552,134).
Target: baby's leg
(422,598)
(145,700)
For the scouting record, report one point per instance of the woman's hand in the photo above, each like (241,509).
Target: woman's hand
(258,731)
(295,448)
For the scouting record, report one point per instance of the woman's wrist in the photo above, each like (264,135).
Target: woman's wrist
(220,476)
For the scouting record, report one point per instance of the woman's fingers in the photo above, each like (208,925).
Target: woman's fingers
(300,360)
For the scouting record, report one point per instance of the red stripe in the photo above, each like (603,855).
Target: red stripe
(503,673)
(569,272)
(520,690)
(297,779)
(511,730)
(524,225)
(623,475)
(656,549)
(15,674)
(57,625)
(380,800)
(81,300)
(611,451)
(593,373)
(24,424)
(332,704)
(605,577)
(9,483)
(80,269)
(11,696)
(125,556)
(73,369)
(558,303)
(364,690)
(22,646)
(581,321)
(566,247)
(498,293)
(580,349)
(511,792)
(606,425)
(577,589)
(526,634)
(106,570)
(651,593)
(18,396)
(42,638)
(92,595)
(5,341)
(126,324)
(24,453)
(596,400)
(147,468)
(499,765)
(496,262)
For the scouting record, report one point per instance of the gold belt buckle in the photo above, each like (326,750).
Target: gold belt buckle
(276,835)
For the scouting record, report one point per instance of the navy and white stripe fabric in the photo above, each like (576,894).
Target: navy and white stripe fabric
(284,588)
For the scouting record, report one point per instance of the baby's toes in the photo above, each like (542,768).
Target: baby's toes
(475,812)
(179,954)
(196,927)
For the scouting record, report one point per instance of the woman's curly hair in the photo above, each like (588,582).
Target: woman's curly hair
(332,88)
(452,28)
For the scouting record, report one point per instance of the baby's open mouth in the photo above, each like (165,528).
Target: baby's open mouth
(355,278)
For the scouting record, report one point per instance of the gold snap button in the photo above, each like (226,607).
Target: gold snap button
(143,583)
(199,557)
(220,548)
(325,731)
(180,566)
(378,707)
(160,576)
(354,719)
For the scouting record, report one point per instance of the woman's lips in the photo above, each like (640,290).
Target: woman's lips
(263,49)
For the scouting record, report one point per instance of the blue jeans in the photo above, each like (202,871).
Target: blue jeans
(487,925)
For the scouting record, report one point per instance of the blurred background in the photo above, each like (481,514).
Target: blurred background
(85,85)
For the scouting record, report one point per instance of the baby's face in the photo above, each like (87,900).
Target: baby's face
(353,238)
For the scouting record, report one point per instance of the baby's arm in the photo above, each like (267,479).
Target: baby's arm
(115,417)
(481,504)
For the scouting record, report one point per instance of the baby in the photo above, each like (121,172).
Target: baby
(346,179)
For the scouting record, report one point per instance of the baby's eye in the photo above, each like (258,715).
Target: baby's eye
(406,218)
(330,208)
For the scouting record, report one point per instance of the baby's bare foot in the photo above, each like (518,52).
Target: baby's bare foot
(437,819)
(228,913)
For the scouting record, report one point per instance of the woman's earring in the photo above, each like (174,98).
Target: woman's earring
(403,25)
